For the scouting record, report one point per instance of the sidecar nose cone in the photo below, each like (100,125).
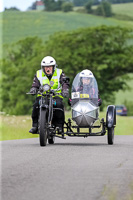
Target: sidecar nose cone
(84,113)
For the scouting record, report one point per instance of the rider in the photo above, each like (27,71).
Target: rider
(49,73)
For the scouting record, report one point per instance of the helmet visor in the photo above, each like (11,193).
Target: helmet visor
(85,80)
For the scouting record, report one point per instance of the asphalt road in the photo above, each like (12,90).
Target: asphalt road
(71,169)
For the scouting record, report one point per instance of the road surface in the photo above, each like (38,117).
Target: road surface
(71,169)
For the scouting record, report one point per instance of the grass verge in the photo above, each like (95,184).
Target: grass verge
(17,127)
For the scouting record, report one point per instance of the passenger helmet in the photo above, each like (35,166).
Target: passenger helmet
(48,61)
(86,74)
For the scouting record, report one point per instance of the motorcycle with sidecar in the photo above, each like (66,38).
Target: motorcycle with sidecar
(85,112)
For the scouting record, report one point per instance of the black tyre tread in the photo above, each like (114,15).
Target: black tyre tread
(110,136)
(43,130)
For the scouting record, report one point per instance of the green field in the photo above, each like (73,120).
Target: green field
(123,9)
(18,25)
(17,127)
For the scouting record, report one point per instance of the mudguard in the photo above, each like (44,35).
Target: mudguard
(111,116)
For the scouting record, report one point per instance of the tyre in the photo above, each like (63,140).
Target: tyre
(110,135)
(43,128)
(51,140)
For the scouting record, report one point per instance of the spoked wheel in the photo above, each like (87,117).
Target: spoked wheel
(43,128)
(110,135)
(51,140)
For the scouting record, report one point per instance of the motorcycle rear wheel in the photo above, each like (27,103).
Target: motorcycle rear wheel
(43,128)
(110,136)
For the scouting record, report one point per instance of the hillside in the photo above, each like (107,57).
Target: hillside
(123,9)
(18,25)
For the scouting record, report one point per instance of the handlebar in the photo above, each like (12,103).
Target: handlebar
(57,89)
(30,93)
(51,91)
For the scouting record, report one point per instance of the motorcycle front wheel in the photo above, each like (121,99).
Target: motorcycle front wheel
(43,128)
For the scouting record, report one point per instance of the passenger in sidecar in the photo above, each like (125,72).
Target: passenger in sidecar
(85,104)
(85,99)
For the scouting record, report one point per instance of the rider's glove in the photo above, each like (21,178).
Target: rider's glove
(65,93)
(33,90)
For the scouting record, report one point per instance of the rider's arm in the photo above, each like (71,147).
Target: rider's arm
(36,82)
(65,85)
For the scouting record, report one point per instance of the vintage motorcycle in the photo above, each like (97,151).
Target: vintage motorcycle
(47,104)
(85,113)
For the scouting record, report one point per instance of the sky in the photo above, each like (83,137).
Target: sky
(20,4)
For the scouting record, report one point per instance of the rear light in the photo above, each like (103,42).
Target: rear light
(124,109)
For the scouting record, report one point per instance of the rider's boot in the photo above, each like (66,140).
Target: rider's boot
(61,131)
(34,128)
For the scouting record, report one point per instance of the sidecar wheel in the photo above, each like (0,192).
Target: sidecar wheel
(43,128)
(51,140)
(110,135)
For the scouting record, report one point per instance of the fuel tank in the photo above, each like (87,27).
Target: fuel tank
(84,113)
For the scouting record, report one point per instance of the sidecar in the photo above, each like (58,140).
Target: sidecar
(85,109)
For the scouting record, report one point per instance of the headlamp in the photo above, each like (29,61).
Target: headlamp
(46,87)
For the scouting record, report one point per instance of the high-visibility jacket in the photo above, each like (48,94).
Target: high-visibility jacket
(55,78)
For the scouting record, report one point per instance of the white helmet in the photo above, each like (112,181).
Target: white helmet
(49,61)
(86,73)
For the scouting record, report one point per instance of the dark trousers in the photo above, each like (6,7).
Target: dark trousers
(58,115)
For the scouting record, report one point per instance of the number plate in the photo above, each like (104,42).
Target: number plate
(84,95)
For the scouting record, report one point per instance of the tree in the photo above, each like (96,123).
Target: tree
(18,68)
(12,9)
(33,6)
(53,5)
(67,6)
(103,50)
(79,2)
(49,5)
(104,9)
(88,7)
(120,1)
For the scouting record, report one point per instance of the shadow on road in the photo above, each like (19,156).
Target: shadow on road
(79,144)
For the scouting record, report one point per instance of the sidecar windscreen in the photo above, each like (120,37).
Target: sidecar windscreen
(84,88)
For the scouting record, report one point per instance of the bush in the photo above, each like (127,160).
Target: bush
(12,9)
(88,7)
(99,11)
(104,9)
(81,10)
(67,6)
(129,106)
